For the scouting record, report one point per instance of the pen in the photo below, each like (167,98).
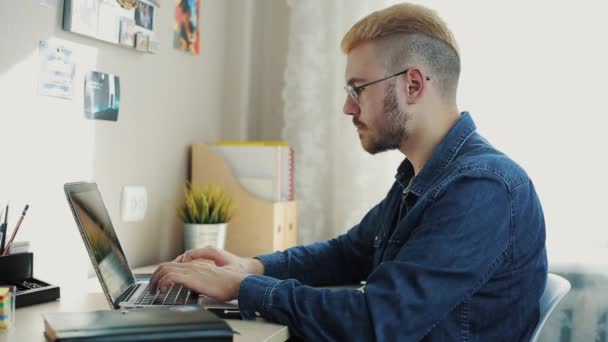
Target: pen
(8,246)
(3,230)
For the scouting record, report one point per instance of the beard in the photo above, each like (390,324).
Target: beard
(390,127)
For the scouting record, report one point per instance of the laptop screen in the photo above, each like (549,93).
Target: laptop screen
(100,238)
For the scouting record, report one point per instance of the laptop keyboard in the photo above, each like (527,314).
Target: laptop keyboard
(177,295)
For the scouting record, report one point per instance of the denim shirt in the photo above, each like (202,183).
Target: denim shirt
(456,253)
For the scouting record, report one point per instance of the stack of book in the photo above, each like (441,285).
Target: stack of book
(263,168)
(6,308)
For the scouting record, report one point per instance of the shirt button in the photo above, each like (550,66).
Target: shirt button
(257,314)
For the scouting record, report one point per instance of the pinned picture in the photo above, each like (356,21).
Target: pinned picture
(141,41)
(186,37)
(57,71)
(127,32)
(144,15)
(101,96)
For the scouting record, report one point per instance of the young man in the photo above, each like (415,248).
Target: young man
(456,250)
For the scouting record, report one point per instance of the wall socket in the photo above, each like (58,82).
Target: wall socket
(134,202)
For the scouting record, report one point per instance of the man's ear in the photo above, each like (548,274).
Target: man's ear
(414,82)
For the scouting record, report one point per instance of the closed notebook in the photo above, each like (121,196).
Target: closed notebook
(173,323)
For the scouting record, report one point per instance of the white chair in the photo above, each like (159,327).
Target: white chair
(555,290)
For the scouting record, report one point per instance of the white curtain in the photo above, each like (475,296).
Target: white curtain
(337,182)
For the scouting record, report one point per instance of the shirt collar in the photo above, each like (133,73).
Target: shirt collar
(442,156)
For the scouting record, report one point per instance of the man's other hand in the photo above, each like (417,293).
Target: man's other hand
(223,259)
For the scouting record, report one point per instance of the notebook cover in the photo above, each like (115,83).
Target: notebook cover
(174,323)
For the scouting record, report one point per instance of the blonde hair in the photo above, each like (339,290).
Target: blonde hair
(409,32)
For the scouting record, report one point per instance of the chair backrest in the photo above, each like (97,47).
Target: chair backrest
(555,289)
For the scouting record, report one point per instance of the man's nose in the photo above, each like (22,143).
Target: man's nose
(350,107)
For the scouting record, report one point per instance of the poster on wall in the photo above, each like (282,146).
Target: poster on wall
(186,36)
(101,96)
(57,71)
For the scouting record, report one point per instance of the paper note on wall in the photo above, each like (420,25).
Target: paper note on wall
(57,71)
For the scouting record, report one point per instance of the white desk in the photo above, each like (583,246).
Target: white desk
(29,325)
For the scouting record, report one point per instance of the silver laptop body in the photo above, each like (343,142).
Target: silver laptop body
(113,271)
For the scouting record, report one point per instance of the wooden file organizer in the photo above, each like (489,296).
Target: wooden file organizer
(258,226)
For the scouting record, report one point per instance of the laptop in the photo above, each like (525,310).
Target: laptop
(119,284)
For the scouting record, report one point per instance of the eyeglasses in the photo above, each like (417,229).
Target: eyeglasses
(355,91)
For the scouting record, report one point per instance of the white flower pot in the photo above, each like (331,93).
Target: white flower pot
(202,235)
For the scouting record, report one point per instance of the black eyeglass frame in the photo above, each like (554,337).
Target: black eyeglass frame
(355,91)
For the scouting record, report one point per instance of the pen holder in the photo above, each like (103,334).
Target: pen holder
(15,267)
(18,270)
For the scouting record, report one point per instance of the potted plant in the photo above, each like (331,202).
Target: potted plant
(205,213)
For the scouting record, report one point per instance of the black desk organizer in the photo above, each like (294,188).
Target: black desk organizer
(18,270)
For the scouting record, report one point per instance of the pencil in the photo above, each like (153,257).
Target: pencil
(8,246)
(3,229)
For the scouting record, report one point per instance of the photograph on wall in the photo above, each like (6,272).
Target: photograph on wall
(144,15)
(186,35)
(57,71)
(101,96)
(127,32)
(141,41)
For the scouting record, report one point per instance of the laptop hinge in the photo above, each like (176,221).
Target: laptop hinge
(126,295)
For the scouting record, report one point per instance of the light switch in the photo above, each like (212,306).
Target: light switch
(134,202)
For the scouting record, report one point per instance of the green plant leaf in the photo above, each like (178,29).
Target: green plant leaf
(205,204)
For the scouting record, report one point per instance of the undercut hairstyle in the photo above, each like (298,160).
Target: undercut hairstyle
(407,34)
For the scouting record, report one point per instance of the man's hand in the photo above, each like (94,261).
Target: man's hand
(223,259)
(219,283)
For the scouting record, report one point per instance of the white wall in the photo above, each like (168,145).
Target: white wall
(534,77)
(169,100)
(256,56)
(268,62)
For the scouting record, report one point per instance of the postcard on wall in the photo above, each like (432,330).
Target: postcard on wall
(141,41)
(185,33)
(144,15)
(101,96)
(57,71)
(127,32)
